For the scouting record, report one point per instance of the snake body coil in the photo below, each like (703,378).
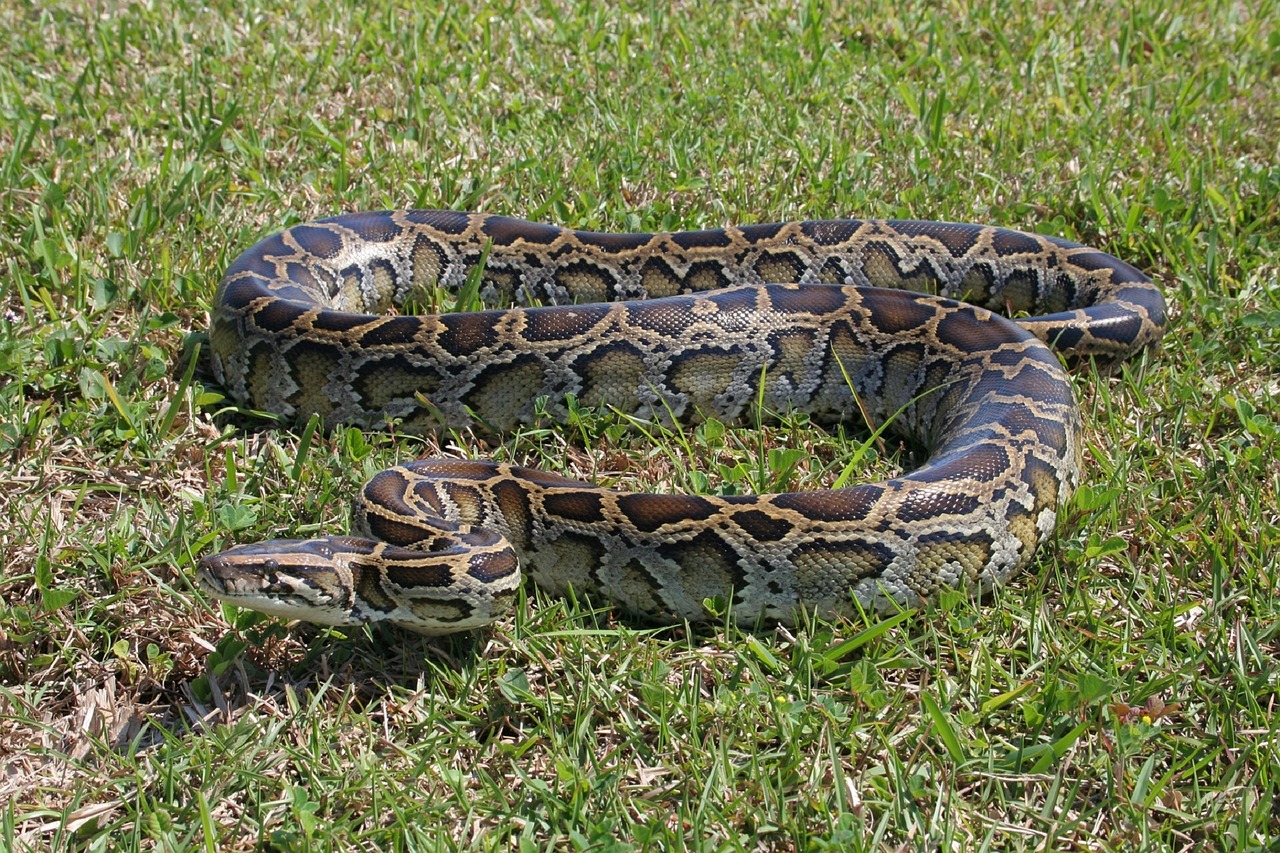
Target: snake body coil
(670,326)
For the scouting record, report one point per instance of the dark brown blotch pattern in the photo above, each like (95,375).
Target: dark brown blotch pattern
(648,513)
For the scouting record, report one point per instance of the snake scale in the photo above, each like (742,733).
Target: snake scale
(673,327)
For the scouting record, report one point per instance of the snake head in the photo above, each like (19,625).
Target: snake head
(347,580)
(316,580)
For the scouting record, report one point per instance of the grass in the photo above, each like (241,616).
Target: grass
(1121,697)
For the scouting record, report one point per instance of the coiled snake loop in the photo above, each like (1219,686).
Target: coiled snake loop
(686,326)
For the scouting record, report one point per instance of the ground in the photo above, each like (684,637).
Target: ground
(1119,696)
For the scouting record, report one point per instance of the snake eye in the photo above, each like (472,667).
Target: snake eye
(271,564)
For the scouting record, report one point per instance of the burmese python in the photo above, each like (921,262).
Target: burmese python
(301,326)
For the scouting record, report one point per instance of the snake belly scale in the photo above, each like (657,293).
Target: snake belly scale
(846,320)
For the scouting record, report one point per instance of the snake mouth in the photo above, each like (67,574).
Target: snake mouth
(292,579)
(223,579)
(229,576)
(246,587)
(208,576)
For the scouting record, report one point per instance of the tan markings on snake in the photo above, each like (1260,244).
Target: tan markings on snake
(797,318)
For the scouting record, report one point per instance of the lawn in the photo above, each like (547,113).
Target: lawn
(1118,697)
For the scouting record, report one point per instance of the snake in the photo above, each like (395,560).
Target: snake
(895,325)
